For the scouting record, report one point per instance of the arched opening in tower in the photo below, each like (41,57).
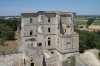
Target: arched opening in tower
(32,64)
(31,32)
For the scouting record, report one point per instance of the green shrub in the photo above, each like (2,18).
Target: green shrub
(3,39)
(81,27)
(99,54)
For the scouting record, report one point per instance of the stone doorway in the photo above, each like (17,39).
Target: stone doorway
(32,64)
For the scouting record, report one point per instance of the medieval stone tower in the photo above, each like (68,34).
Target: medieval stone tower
(54,32)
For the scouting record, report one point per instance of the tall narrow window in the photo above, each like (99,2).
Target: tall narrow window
(49,41)
(49,19)
(30,20)
(48,29)
(31,32)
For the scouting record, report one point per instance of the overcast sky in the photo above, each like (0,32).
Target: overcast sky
(81,7)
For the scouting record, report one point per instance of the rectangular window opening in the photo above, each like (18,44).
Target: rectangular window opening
(48,29)
(49,43)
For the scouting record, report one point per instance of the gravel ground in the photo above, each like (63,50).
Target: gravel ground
(90,57)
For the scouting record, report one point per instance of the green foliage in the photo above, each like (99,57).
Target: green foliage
(99,54)
(3,39)
(88,40)
(81,27)
(7,28)
(96,22)
(80,23)
(13,23)
(30,20)
(10,35)
(90,21)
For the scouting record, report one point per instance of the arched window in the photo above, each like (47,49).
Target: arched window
(31,32)
(40,29)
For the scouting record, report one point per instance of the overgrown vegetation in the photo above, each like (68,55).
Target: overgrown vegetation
(90,21)
(7,29)
(99,54)
(88,40)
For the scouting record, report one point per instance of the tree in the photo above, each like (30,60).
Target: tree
(3,39)
(90,21)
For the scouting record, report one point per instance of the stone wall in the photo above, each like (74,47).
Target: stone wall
(52,61)
(11,58)
(80,62)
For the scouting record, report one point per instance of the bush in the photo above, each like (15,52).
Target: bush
(88,40)
(7,28)
(99,54)
(81,27)
(3,39)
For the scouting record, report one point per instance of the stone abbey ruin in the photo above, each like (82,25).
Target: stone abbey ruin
(48,38)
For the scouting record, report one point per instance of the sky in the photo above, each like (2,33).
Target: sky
(81,7)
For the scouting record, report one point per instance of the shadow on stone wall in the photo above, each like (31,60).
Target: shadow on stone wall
(69,62)
(44,63)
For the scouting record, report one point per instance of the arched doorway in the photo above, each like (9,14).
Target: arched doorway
(32,64)
(31,32)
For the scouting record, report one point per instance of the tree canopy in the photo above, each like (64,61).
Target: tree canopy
(7,29)
(88,40)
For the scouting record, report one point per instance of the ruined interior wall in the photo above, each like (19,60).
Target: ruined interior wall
(52,61)
(67,59)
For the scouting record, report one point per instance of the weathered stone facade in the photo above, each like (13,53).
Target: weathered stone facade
(48,39)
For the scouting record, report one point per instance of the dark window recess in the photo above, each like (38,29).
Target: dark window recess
(24,62)
(52,52)
(30,20)
(39,44)
(65,30)
(49,38)
(49,42)
(36,31)
(49,19)
(31,32)
(32,64)
(48,29)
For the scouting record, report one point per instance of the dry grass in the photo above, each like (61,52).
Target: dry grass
(86,29)
(94,27)
(11,45)
(91,28)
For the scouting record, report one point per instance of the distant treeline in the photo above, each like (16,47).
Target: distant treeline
(8,28)
(88,40)
(87,15)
